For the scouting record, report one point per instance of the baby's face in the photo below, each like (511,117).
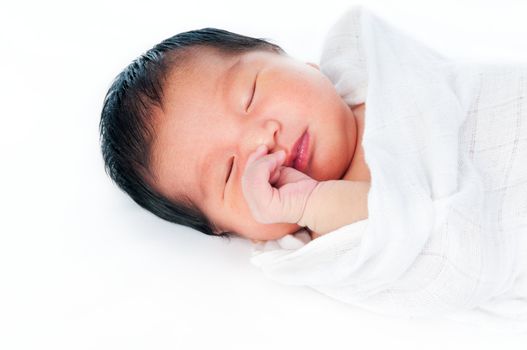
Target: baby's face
(221,108)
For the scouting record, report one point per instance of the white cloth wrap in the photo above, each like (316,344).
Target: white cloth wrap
(446,144)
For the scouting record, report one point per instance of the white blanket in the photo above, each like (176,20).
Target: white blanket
(446,144)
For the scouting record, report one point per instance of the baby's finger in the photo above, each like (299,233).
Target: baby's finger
(259,162)
(289,175)
(262,171)
(256,182)
(261,150)
(275,175)
(274,161)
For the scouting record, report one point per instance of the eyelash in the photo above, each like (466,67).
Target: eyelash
(230,170)
(253,93)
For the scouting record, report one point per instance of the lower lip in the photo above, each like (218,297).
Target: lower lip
(302,154)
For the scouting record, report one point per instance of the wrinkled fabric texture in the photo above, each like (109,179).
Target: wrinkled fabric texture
(446,144)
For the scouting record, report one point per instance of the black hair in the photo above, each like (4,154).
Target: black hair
(126,127)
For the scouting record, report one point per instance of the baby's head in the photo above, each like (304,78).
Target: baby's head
(179,123)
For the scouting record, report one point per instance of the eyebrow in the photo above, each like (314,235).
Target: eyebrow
(221,89)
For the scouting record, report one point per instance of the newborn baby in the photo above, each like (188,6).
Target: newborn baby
(228,134)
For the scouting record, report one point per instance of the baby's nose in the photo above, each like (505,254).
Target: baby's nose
(261,132)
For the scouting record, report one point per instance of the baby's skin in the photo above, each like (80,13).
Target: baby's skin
(280,194)
(218,111)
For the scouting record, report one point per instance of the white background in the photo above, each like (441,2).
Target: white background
(83,267)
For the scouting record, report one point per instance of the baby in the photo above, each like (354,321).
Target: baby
(228,134)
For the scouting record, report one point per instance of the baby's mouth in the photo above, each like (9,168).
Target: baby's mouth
(299,155)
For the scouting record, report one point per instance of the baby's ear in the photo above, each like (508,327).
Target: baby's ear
(314,65)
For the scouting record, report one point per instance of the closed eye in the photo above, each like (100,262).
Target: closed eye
(252,95)
(231,165)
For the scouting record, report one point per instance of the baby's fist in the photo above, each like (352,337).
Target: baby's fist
(275,193)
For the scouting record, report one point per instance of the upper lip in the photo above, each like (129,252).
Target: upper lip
(290,161)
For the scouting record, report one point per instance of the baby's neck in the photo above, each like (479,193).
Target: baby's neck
(358,170)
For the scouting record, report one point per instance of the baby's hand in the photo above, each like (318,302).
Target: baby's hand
(275,193)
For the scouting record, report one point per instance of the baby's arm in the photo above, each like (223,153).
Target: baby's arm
(335,203)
